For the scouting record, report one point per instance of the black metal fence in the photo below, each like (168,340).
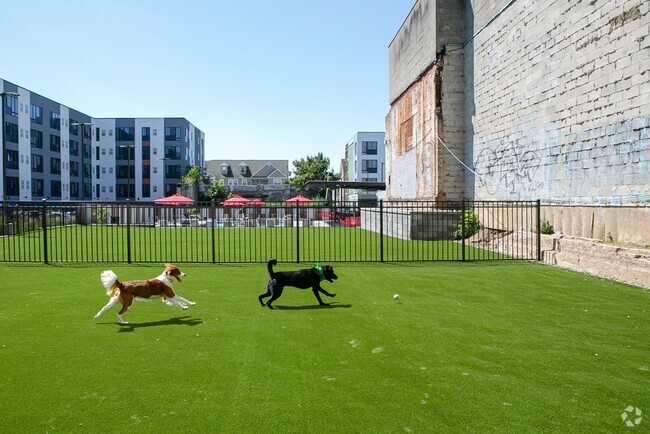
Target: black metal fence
(318,232)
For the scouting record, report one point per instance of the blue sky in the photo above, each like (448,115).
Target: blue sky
(281,79)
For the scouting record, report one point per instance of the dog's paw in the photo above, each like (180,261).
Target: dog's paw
(191,303)
(95,317)
(183,307)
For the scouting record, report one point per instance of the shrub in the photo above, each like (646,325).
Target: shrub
(468,227)
(546,228)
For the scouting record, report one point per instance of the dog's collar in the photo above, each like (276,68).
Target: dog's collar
(320,271)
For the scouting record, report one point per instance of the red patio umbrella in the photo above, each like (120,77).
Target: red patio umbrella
(236,200)
(174,199)
(300,199)
(257,202)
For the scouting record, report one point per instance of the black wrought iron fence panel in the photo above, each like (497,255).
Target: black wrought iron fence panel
(317,232)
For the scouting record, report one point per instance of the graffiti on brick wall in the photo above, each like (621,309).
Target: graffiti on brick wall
(609,160)
(507,167)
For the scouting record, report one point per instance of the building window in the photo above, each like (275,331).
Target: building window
(146,134)
(173,171)
(146,171)
(55,166)
(74,148)
(369,148)
(11,105)
(74,189)
(369,166)
(146,190)
(74,168)
(170,189)
(36,114)
(37,163)
(12,186)
(12,159)
(173,134)
(125,171)
(124,134)
(55,143)
(173,152)
(11,132)
(55,188)
(55,121)
(36,139)
(37,187)
(125,153)
(146,151)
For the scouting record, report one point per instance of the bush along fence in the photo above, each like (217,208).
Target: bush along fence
(50,231)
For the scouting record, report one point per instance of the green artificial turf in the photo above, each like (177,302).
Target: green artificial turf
(468,347)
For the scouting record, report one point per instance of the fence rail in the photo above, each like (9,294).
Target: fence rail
(50,231)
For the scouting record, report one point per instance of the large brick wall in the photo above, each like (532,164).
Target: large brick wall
(535,100)
(560,94)
(427,105)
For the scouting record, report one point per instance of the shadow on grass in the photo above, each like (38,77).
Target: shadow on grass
(313,306)
(183,320)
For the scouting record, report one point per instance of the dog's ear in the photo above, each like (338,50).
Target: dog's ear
(173,271)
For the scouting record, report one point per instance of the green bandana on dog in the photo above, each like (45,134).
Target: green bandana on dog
(320,271)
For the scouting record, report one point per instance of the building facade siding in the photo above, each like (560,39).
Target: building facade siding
(51,156)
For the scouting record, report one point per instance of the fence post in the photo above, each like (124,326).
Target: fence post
(44,226)
(539,230)
(213,217)
(128,230)
(381,230)
(462,230)
(297,220)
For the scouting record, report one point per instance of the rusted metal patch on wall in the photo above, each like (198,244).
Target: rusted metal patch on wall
(412,124)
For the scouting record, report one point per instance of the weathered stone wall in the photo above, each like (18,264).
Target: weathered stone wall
(597,258)
(622,225)
(560,104)
(413,49)
(427,108)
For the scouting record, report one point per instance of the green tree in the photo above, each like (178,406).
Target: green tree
(216,192)
(195,177)
(316,168)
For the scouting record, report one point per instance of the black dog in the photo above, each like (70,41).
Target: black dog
(307,278)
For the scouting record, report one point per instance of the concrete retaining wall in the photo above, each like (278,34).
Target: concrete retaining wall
(597,258)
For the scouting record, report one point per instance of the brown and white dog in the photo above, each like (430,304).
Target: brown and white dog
(126,292)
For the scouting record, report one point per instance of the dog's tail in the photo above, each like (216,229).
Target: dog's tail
(270,265)
(110,282)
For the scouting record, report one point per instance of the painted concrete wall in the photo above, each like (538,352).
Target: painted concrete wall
(412,50)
